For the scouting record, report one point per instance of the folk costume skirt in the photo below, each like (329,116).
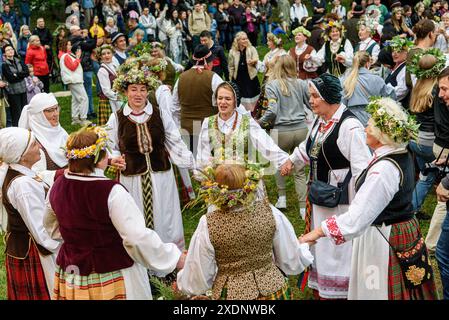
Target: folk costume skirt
(402,238)
(104,111)
(284,293)
(26,278)
(95,286)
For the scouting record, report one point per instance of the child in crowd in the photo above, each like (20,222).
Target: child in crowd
(33,84)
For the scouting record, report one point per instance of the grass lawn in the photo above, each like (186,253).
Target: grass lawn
(191,216)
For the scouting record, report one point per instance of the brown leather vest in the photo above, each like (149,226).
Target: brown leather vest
(18,239)
(51,165)
(300,72)
(195,97)
(243,244)
(143,144)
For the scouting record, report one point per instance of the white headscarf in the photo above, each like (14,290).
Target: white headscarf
(51,138)
(14,143)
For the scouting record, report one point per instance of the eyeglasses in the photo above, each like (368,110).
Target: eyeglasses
(52,110)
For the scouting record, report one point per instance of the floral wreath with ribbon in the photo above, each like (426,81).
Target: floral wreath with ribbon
(220,196)
(423,70)
(92,151)
(135,71)
(399,130)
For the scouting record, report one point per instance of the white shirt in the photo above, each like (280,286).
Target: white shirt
(401,88)
(258,136)
(216,80)
(200,267)
(178,152)
(348,53)
(381,184)
(365,44)
(105,84)
(298,12)
(149,23)
(300,50)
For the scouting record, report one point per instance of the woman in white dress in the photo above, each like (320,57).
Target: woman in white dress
(336,151)
(233,136)
(381,210)
(30,251)
(149,141)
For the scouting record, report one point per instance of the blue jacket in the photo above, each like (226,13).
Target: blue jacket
(22,44)
(12,19)
(139,26)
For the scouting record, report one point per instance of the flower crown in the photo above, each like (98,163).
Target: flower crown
(161,66)
(416,68)
(399,130)
(134,71)
(140,49)
(399,44)
(302,30)
(330,25)
(92,150)
(99,50)
(220,196)
(367,22)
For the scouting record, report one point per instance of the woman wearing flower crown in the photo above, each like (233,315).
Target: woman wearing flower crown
(244,248)
(106,247)
(366,31)
(302,54)
(109,100)
(157,51)
(337,52)
(232,136)
(380,219)
(149,141)
(30,251)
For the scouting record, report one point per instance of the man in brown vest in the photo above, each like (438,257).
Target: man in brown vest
(193,95)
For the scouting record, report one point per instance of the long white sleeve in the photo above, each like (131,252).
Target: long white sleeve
(113,135)
(401,89)
(142,244)
(379,188)
(105,84)
(352,145)
(200,266)
(204,152)
(176,111)
(265,145)
(290,256)
(349,53)
(28,197)
(320,56)
(299,156)
(177,149)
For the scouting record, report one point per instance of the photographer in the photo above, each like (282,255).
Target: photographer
(442,143)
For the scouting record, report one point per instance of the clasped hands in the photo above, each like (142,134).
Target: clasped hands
(311,237)
(286,168)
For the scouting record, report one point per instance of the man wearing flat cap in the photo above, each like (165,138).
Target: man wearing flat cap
(193,94)
(118,40)
(337,153)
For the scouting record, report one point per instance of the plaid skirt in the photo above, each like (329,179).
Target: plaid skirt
(25,277)
(104,111)
(96,286)
(402,237)
(285,293)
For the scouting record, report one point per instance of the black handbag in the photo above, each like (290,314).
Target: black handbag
(326,195)
(415,264)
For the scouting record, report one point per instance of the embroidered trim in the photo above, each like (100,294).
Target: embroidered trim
(334,230)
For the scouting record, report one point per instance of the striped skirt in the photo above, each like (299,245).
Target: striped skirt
(402,238)
(104,111)
(96,286)
(284,293)
(25,277)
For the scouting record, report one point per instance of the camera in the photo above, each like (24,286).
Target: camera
(440,171)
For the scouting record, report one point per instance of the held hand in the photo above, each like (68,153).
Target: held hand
(307,57)
(119,162)
(442,193)
(182,260)
(302,240)
(286,168)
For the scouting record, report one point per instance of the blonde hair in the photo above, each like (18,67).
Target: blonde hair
(271,37)
(235,43)
(422,95)
(33,38)
(384,139)
(361,58)
(284,70)
(231,175)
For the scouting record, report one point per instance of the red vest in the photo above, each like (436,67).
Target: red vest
(91,242)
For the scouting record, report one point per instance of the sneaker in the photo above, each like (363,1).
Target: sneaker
(76,122)
(282,202)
